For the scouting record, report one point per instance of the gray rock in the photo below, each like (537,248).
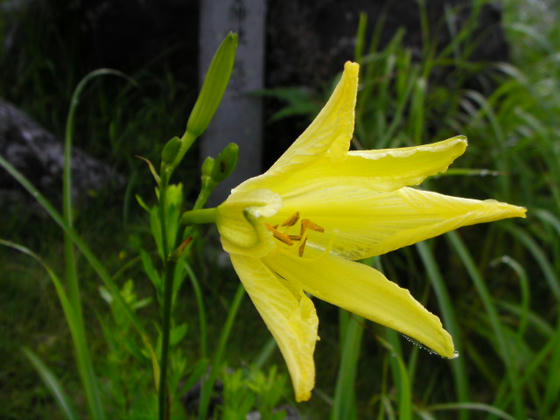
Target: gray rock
(39,155)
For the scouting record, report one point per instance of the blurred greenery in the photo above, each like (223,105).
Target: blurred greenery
(496,287)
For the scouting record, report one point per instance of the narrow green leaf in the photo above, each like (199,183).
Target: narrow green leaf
(345,396)
(208,384)
(200,304)
(450,322)
(540,257)
(52,384)
(471,407)
(80,244)
(503,349)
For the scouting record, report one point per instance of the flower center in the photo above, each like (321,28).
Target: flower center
(280,231)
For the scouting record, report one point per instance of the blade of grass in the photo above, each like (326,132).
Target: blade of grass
(201,310)
(552,385)
(345,396)
(400,374)
(265,353)
(511,370)
(52,384)
(473,407)
(79,242)
(398,114)
(446,307)
(69,257)
(525,293)
(208,384)
(360,37)
(77,331)
(83,357)
(539,256)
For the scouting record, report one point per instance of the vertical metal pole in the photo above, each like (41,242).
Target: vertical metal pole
(239,117)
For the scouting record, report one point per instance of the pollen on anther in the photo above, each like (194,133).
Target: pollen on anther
(279,235)
(308,224)
(292,220)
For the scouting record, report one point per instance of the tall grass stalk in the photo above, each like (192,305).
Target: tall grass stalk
(450,321)
(77,328)
(494,320)
(208,384)
(351,331)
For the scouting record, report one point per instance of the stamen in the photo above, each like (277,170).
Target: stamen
(279,235)
(289,239)
(302,247)
(292,220)
(308,224)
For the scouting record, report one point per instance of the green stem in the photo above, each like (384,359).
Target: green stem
(199,216)
(167,296)
(186,142)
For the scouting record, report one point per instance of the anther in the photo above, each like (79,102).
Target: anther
(308,224)
(292,220)
(279,235)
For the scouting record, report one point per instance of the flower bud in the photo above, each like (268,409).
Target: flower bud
(225,162)
(206,173)
(213,87)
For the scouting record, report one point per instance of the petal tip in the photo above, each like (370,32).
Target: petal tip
(462,139)
(448,349)
(302,396)
(351,70)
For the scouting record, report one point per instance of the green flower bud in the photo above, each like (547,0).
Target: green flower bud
(206,174)
(207,166)
(225,162)
(214,86)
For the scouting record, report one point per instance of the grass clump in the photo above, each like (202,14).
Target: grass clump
(495,287)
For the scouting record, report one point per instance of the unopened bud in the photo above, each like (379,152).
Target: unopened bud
(214,86)
(225,162)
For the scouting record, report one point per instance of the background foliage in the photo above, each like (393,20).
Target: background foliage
(495,286)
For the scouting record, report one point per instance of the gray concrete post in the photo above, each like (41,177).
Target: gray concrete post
(239,117)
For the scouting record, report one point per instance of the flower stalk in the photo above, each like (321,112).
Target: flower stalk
(199,216)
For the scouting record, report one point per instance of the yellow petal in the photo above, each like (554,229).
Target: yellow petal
(360,223)
(365,291)
(237,220)
(379,170)
(329,134)
(289,315)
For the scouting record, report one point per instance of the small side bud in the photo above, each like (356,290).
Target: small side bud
(225,162)
(206,174)
(214,86)
(207,166)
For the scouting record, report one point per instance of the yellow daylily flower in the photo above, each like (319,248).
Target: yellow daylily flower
(298,228)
